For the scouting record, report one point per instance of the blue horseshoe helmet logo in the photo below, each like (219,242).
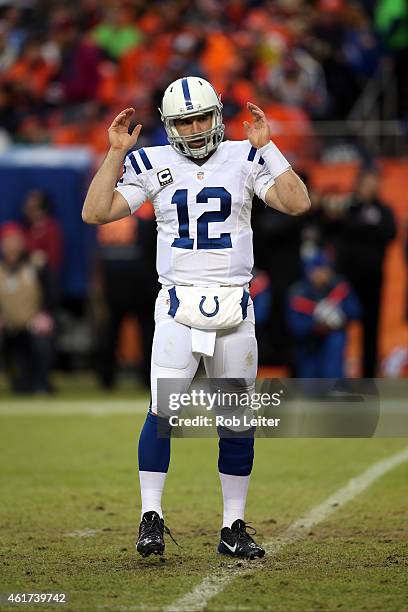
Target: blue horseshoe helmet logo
(216,309)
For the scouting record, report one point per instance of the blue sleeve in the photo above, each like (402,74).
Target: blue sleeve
(262,304)
(299,323)
(351,306)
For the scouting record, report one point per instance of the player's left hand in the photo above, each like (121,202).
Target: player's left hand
(258,131)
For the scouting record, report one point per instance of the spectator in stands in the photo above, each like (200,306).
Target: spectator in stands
(78,77)
(33,69)
(26,306)
(327,45)
(406,261)
(299,81)
(261,294)
(277,250)
(44,234)
(31,130)
(13,26)
(8,52)
(361,48)
(117,33)
(127,286)
(85,128)
(319,310)
(367,226)
(8,115)
(391,19)
(314,233)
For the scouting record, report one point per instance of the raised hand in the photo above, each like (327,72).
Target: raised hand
(119,136)
(258,131)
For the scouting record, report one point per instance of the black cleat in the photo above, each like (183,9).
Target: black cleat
(151,535)
(236,542)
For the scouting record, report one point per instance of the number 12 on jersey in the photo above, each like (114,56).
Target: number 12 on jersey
(180,199)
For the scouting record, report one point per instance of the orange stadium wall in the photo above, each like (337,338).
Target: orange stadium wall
(393,327)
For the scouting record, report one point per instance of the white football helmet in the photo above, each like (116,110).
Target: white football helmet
(187,97)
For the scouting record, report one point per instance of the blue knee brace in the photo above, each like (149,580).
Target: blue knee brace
(154,452)
(236,456)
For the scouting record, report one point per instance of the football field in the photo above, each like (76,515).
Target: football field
(70,511)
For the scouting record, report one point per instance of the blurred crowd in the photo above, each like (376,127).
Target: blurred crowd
(66,69)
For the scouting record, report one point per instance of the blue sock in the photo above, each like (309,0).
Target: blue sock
(236,456)
(154,452)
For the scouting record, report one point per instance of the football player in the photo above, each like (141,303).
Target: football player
(201,188)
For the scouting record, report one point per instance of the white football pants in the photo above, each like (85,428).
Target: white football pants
(235,353)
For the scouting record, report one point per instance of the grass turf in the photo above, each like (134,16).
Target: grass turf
(69,514)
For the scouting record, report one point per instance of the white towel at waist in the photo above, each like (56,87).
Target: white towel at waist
(203,341)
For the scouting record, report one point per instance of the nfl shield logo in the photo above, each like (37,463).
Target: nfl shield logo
(200,175)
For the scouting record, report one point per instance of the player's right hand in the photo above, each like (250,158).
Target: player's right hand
(119,136)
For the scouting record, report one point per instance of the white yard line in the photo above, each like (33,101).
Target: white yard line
(68,407)
(214,584)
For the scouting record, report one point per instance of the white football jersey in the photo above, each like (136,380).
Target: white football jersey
(203,213)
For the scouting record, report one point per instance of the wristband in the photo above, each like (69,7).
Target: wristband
(275,161)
